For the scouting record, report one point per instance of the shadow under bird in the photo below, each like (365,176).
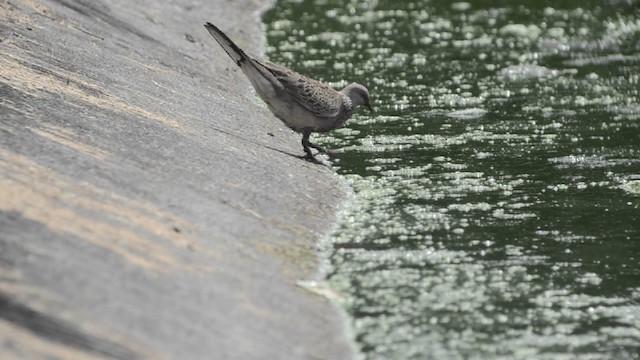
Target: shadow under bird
(303,104)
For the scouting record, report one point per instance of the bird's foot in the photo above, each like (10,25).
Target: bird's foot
(312,159)
(331,152)
(323,150)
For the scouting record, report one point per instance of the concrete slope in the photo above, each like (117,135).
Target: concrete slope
(150,207)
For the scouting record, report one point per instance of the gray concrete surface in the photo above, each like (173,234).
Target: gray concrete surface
(150,207)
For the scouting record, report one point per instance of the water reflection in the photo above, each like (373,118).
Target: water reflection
(496,208)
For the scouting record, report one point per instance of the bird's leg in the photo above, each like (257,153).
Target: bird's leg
(306,144)
(319,148)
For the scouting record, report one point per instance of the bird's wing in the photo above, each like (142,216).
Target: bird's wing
(320,99)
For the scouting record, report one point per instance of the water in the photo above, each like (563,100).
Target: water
(495,212)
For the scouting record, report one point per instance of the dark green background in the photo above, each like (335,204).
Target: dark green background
(510,229)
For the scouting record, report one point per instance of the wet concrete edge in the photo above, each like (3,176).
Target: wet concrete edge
(150,206)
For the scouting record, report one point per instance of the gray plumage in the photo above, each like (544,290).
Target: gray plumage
(303,104)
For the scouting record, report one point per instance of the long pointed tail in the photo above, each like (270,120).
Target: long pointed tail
(229,46)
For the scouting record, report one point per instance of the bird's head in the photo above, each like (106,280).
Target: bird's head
(358,94)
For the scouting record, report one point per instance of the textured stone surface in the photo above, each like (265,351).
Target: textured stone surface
(150,206)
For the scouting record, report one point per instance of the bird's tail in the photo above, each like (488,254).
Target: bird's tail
(229,46)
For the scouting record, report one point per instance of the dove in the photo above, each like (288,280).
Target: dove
(303,104)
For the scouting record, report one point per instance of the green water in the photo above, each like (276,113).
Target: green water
(495,212)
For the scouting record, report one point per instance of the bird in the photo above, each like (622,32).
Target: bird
(303,104)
